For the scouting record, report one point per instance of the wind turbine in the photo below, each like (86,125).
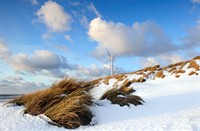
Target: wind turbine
(111,62)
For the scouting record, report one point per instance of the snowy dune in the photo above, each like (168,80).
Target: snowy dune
(171,103)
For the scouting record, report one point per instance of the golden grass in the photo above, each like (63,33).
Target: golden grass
(178,71)
(172,69)
(182,65)
(178,64)
(126,100)
(192,73)
(177,76)
(72,111)
(193,64)
(106,79)
(160,74)
(65,103)
(196,58)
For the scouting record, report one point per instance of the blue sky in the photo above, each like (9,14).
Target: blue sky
(47,40)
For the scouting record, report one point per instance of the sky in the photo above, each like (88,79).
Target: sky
(44,41)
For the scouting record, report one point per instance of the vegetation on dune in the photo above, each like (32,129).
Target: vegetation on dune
(159,74)
(65,103)
(122,97)
(194,65)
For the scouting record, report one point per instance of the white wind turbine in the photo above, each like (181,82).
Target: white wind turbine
(111,62)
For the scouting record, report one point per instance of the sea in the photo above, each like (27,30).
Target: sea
(5,97)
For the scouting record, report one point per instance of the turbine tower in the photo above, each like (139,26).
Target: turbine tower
(111,62)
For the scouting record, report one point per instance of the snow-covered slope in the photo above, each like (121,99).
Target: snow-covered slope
(171,103)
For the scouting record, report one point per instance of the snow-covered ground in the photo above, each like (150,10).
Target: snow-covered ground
(170,104)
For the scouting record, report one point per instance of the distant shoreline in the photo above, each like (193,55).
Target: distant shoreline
(4,97)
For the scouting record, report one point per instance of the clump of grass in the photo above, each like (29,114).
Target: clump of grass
(65,103)
(192,73)
(178,71)
(72,111)
(177,76)
(196,58)
(106,80)
(178,64)
(122,97)
(160,74)
(194,65)
(182,65)
(172,69)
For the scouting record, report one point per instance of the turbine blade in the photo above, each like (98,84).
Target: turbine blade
(108,53)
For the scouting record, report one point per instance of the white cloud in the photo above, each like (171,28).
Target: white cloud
(162,59)
(17,85)
(40,62)
(149,61)
(84,22)
(54,17)
(195,1)
(34,2)
(141,39)
(68,38)
(93,9)
(94,71)
(41,59)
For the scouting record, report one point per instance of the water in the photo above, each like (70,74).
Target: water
(4,97)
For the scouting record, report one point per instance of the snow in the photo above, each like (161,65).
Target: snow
(98,91)
(170,104)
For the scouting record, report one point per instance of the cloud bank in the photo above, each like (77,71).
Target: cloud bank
(140,39)
(41,61)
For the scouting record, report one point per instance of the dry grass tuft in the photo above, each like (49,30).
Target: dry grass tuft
(178,71)
(182,65)
(106,80)
(65,103)
(160,74)
(177,76)
(194,65)
(192,73)
(196,58)
(120,77)
(178,64)
(125,99)
(172,69)
(72,111)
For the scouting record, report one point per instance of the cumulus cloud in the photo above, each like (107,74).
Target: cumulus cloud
(17,85)
(94,71)
(93,9)
(54,17)
(195,1)
(162,59)
(140,39)
(41,61)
